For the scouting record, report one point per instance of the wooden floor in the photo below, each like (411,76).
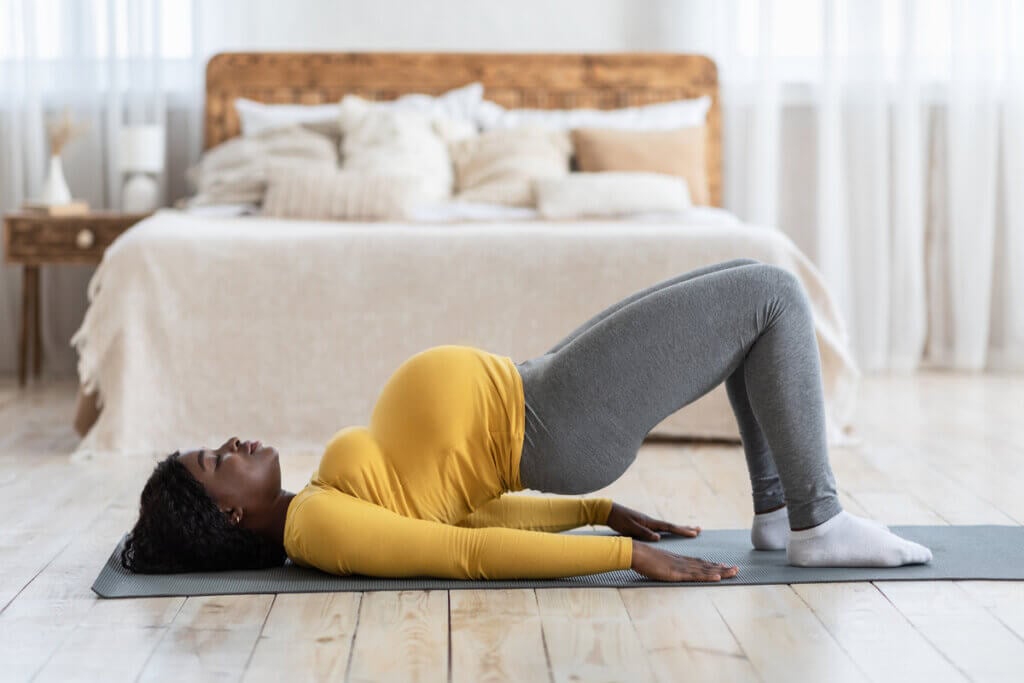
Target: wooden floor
(938,449)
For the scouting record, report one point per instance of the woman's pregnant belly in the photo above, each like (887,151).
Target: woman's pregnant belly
(427,402)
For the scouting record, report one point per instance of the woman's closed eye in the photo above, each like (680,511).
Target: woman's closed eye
(217,457)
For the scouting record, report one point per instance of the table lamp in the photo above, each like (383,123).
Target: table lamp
(142,157)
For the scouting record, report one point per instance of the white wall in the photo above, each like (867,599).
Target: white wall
(446,25)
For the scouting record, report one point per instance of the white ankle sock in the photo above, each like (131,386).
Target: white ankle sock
(850,541)
(770,530)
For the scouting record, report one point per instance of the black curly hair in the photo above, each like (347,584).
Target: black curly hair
(181,529)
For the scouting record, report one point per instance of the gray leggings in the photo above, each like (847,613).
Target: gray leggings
(593,397)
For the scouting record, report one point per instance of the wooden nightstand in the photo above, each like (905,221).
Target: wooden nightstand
(34,240)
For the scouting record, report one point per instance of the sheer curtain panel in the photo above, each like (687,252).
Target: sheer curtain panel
(887,138)
(108,63)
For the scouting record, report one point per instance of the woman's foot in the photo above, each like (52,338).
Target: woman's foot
(850,541)
(770,530)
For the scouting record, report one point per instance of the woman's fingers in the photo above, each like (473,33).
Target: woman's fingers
(722,565)
(704,570)
(676,529)
(701,575)
(666,566)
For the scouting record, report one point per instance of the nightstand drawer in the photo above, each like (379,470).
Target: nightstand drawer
(79,239)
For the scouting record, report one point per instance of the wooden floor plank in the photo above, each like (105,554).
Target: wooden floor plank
(211,638)
(875,634)
(920,475)
(306,632)
(496,635)
(590,636)
(968,488)
(411,627)
(631,490)
(56,599)
(684,636)
(970,636)
(87,655)
(1003,599)
(26,645)
(683,496)
(782,637)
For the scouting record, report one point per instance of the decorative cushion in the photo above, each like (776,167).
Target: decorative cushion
(580,195)
(676,152)
(500,166)
(340,195)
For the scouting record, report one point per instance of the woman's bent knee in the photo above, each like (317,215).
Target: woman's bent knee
(779,280)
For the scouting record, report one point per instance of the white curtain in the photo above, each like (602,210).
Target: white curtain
(887,138)
(107,63)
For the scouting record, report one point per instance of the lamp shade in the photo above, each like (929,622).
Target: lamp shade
(141,149)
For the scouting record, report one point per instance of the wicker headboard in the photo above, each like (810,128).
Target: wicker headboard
(548,81)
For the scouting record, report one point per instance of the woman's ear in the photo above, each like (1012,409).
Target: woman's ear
(234,515)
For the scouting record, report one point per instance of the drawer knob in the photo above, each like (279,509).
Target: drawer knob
(84,239)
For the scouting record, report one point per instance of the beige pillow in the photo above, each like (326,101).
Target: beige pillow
(611,193)
(675,152)
(340,195)
(500,166)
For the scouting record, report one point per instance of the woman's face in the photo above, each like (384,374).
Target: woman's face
(242,477)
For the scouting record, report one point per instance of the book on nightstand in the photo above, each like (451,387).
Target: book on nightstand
(76,207)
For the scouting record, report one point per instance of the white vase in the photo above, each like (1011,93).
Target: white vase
(55,187)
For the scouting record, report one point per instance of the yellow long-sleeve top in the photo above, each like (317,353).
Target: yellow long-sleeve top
(419,491)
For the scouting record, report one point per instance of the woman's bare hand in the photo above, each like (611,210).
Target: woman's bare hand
(665,566)
(635,524)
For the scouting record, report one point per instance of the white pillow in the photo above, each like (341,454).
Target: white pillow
(256,117)
(660,116)
(235,171)
(610,193)
(333,194)
(394,141)
(458,104)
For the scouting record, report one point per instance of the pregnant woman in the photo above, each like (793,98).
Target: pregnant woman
(418,492)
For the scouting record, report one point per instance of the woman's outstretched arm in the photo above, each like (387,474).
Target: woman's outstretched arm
(341,534)
(538,513)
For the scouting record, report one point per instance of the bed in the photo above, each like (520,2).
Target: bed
(202,327)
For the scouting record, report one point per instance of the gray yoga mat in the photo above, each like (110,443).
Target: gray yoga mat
(959,552)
